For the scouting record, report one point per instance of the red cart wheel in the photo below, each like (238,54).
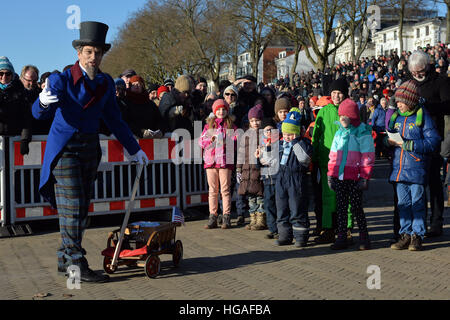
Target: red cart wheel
(107,265)
(177,256)
(152,266)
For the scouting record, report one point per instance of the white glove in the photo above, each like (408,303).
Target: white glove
(178,109)
(45,97)
(140,157)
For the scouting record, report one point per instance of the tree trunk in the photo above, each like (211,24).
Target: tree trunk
(447,35)
(400,36)
(294,66)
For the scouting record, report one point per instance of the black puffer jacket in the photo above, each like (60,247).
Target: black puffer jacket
(15,116)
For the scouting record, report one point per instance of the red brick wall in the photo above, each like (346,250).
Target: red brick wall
(269,66)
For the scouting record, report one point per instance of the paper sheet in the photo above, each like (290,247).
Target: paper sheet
(395,136)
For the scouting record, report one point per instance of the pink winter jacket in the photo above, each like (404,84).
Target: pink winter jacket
(215,153)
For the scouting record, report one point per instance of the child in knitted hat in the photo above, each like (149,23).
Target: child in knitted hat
(409,168)
(282,107)
(218,163)
(248,173)
(267,155)
(352,156)
(292,184)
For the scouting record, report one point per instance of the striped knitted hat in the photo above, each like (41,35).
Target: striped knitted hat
(408,93)
(5,64)
(292,122)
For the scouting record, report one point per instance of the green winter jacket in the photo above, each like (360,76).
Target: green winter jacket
(323,135)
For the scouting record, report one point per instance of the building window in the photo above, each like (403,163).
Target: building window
(417,33)
(395,35)
(384,38)
(427,30)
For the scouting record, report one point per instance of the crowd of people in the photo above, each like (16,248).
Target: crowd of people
(329,126)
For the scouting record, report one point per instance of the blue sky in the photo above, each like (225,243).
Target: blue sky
(35,32)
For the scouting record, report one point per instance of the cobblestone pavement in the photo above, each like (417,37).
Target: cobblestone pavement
(239,264)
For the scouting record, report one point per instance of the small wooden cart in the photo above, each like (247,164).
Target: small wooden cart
(142,245)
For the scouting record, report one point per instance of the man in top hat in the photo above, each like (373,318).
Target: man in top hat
(77,99)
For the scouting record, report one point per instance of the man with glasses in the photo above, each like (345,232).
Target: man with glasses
(15,116)
(435,91)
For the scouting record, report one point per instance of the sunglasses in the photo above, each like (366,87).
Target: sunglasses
(8,74)
(230,94)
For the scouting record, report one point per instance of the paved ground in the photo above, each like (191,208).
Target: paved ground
(241,265)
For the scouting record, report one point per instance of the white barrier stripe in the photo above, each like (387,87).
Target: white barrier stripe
(34,156)
(164,202)
(196,199)
(104,147)
(101,206)
(161,149)
(34,212)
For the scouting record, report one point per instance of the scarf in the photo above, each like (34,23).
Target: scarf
(419,117)
(287,146)
(4,86)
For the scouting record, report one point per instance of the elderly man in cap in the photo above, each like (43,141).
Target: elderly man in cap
(126,75)
(77,99)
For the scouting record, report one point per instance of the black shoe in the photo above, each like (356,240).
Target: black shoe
(283,242)
(240,221)
(272,235)
(339,244)
(87,275)
(434,232)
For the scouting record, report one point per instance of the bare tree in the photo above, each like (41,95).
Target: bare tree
(253,20)
(319,17)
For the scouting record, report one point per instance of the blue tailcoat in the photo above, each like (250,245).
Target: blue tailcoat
(70,117)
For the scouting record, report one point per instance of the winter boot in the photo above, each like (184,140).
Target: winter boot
(349,237)
(326,236)
(272,235)
(340,243)
(261,223)
(364,241)
(416,243)
(212,222)
(301,236)
(240,221)
(252,221)
(226,221)
(403,242)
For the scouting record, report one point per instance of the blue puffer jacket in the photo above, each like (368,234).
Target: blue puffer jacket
(412,166)
(378,119)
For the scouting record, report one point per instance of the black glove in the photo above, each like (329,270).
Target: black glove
(24,147)
(332,183)
(363,184)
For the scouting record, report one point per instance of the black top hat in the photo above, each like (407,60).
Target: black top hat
(92,34)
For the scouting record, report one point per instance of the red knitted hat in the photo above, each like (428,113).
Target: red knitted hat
(161,90)
(350,109)
(220,103)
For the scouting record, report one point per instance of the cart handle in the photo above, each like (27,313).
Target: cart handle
(127,216)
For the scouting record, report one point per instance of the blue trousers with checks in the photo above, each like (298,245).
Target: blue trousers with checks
(75,173)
